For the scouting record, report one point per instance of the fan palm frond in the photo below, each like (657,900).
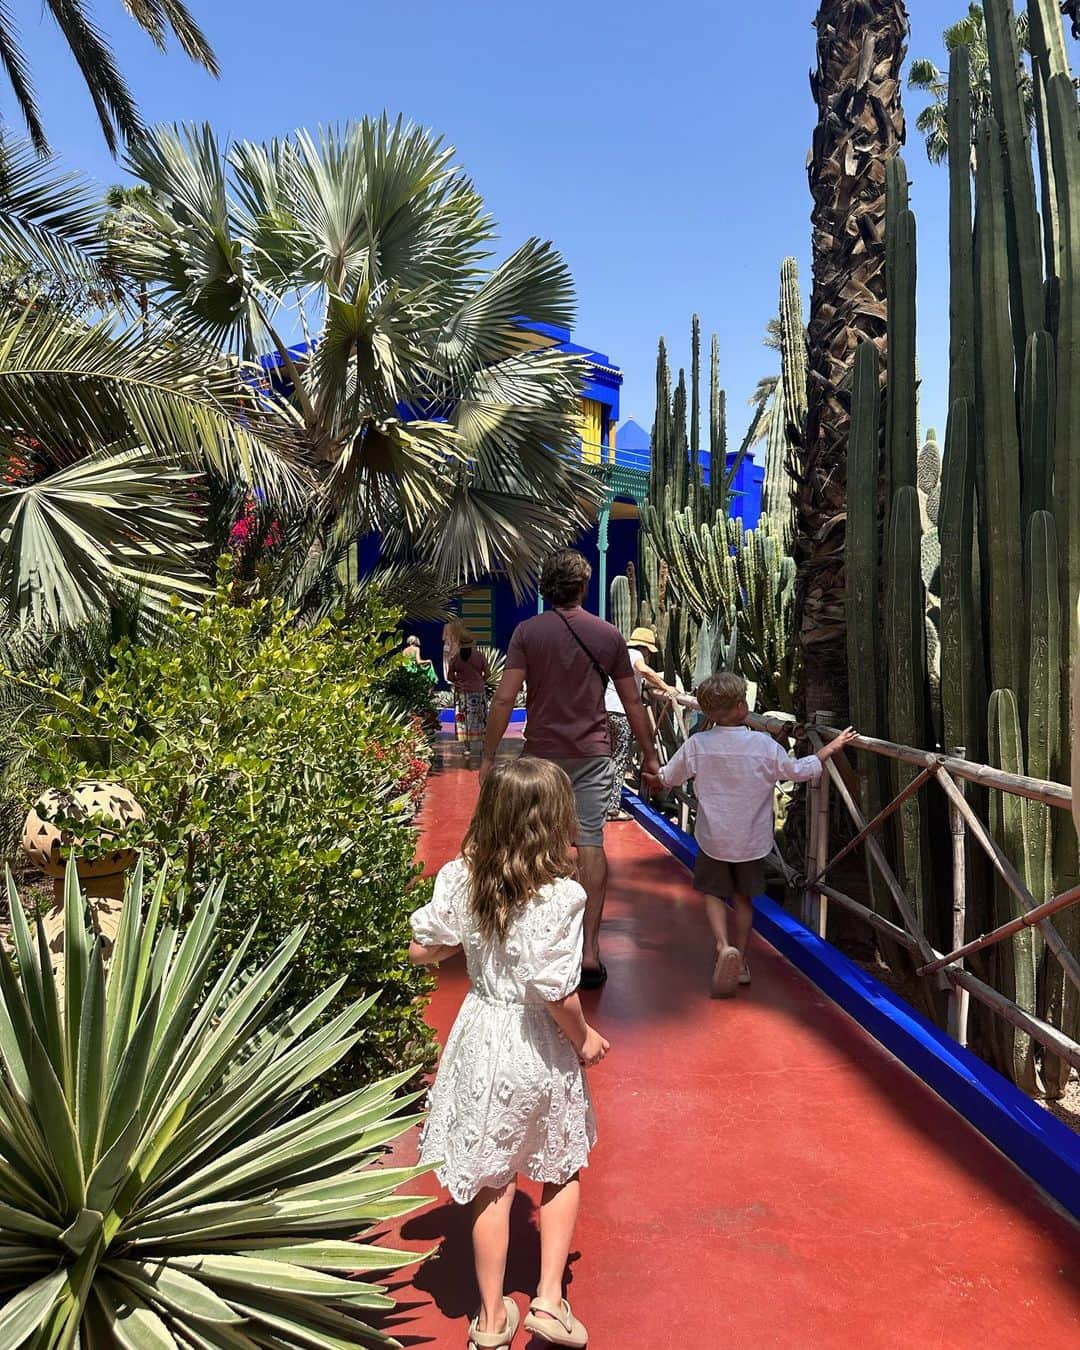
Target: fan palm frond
(925,75)
(80,536)
(73,385)
(49,218)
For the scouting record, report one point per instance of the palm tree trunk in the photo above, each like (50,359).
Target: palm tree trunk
(860,45)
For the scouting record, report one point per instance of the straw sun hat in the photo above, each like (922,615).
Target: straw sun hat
(643,637)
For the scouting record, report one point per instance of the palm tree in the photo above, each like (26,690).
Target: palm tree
(106,432)
(423,411)
(112,99)
(924,75)
(125,212)
(860,49)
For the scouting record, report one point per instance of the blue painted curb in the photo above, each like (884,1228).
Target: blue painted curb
(1037,1142)
(446,716)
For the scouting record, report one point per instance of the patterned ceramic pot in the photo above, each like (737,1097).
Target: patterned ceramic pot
(42,841)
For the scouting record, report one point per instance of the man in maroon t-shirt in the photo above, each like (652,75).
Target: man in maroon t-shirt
(564,657)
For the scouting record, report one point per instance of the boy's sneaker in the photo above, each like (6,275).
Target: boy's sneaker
(744,974)
(725,974)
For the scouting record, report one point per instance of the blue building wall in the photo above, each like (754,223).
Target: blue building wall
(626,446)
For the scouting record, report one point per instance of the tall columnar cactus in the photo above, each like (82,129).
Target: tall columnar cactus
(776,490)
(621,615)
(1009,502)
(905,651)
(961,256)
(999,481)
(1022,218)
(793,351)
(1063,1006)
(960,605)
(1037,429)
(1044,687)
(901,434)
(1016,961)
(928,481)
(862,545)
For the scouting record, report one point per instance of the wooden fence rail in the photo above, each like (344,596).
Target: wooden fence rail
(952,772)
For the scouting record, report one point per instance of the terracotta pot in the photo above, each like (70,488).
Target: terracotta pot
(42,841)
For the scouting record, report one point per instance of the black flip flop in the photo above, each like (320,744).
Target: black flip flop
(593,977)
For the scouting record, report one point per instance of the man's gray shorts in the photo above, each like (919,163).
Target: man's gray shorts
(591,781)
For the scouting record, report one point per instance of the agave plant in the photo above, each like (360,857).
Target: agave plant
(161,1182)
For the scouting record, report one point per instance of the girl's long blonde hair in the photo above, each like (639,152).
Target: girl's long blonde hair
(519,840)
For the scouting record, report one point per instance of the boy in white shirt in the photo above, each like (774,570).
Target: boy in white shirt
(735,772)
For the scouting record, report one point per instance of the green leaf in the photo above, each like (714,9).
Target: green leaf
(24,1312)
(175,1288)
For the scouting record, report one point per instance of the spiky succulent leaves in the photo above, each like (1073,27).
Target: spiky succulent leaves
(162,1181)
(427,412)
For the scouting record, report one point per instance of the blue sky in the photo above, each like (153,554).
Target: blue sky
(662,147)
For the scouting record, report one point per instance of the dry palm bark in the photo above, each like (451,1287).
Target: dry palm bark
(860,48)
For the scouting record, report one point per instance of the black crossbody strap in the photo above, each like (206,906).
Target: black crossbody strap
(604,676)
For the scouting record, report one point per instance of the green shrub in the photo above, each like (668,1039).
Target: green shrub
(409,688)
(263,753)
(165,1182)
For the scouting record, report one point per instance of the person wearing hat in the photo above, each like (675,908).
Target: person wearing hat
(642,645)
(468,674)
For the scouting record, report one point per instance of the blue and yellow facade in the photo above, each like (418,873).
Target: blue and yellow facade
(620,457)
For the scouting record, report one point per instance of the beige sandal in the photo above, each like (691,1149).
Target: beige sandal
(559,1327)
(725,974)
(495,1340)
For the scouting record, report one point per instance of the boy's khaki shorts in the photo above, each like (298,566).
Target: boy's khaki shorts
(725,879)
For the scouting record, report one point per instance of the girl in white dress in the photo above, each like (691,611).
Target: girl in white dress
(510,1095)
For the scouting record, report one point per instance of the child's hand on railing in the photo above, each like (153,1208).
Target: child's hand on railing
(837,743)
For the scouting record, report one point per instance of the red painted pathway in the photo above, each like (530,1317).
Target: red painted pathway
(766,1174)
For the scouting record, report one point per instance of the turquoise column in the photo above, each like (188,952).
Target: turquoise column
(602,548)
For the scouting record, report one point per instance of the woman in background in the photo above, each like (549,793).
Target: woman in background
(468,675)
(642,643)
(413,655)
(451,645)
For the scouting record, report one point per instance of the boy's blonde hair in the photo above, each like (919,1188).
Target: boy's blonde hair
(721,693)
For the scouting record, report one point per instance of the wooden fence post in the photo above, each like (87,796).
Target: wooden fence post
(959,998)
(809,895)
(815,909)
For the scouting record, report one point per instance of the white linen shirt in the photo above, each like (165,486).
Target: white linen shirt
(735,771)
(612,701)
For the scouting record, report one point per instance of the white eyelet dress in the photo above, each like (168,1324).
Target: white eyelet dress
(510,1096)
